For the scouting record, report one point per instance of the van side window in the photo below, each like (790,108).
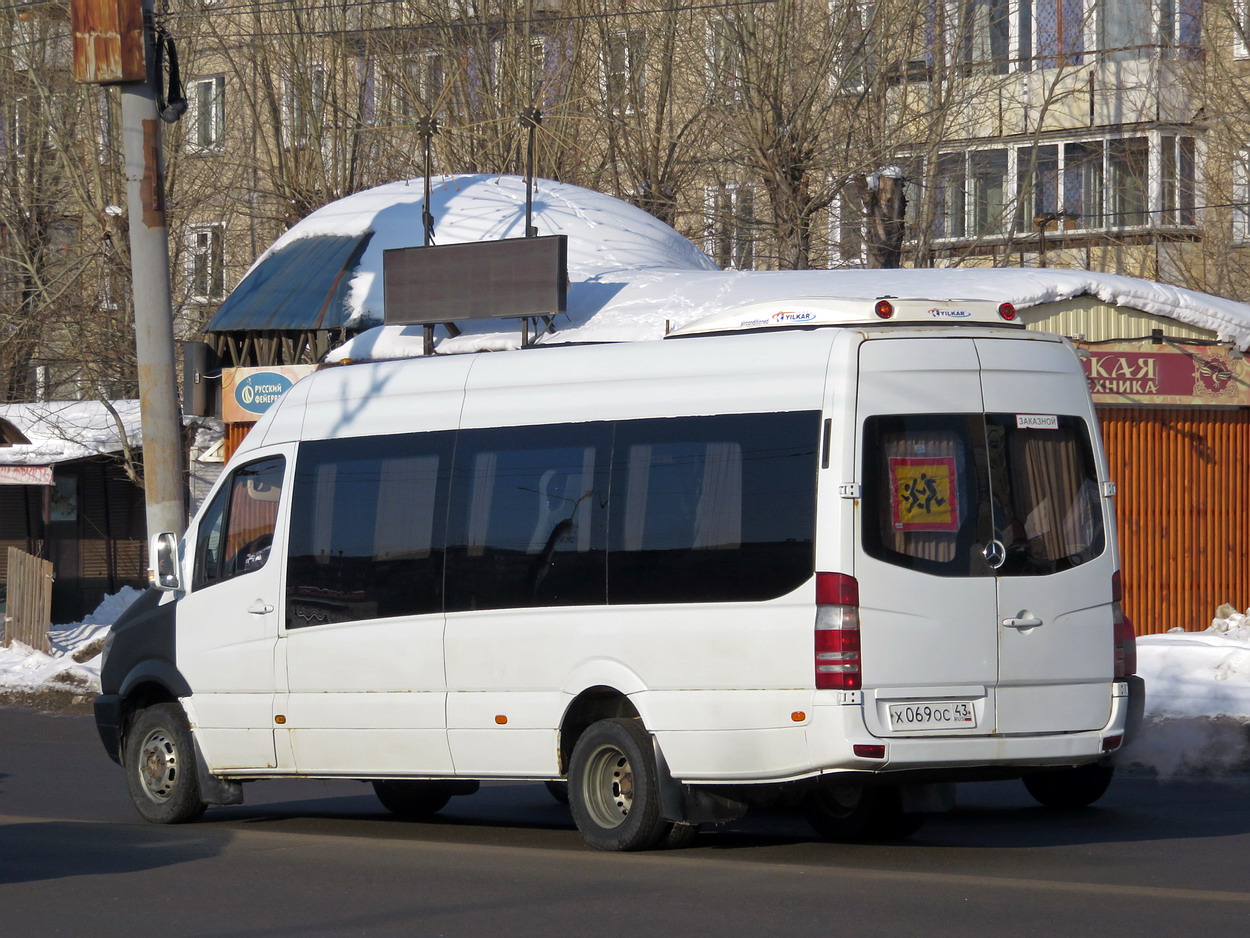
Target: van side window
(529,517)
(712,509)
(236,532)
(367,520)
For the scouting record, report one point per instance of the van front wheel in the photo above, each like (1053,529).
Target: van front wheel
(160,766)
(612,787)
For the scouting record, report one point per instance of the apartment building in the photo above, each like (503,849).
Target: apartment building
(1101,134)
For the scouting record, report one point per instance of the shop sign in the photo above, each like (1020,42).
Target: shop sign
(25,475)
(1133,373)
(246,393)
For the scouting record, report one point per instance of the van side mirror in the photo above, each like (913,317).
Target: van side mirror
(163,550)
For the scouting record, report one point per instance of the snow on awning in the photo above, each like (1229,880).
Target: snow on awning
(63,431)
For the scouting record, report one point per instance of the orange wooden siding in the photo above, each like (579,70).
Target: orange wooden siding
(1183,480)
(235,432)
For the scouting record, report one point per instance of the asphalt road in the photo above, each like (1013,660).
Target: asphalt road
(322,858)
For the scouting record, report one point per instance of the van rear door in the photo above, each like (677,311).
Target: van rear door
(981,549)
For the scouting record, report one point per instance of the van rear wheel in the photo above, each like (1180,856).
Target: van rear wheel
(160,766)
(1070,788)
(612,787)
(858,813)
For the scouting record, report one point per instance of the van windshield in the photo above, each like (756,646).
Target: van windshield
(981,494)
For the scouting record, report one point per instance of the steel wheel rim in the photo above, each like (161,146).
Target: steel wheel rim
(158,766)
(609,786)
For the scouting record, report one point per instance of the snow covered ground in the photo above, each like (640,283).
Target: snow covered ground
(1197,687)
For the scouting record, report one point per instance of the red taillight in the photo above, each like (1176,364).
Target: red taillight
(884,309)
(1007,311)
(837,632)
(1125,638)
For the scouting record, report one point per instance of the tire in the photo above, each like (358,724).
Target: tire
(853,813)
(160,766)
(1070,788)
(412,799)
(612,787)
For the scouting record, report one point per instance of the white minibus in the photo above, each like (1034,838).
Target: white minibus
(833,555)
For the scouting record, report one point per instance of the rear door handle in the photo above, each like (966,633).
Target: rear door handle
(1029,623)
(260,608)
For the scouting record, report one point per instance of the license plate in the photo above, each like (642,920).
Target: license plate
(932,715)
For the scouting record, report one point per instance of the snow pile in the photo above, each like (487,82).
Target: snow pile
(74,665)
(1197,698)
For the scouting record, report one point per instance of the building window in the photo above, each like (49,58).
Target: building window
(110,121)
(1128,163)
(1083,177)
(18,115)
(1178,177)
(730,225)
(539,74)
(1241,29)
(983,41)
(1125,28)
(624,73)
(1088,185)
(988,185)
(1037,173)
(1241,196)
(1058,28)
(206,112)
(724,62)
(846,229)
(852,22)
(303,107)
(206,262)
(950,191)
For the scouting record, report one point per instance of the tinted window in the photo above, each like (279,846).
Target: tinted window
(926,493)
(235,533)
(1048,509)
(712,509)
(528,510)
(939,488)
(367,521)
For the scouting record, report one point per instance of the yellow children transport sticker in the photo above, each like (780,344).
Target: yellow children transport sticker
(924,492)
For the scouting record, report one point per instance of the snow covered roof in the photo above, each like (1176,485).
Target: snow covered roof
(62,431)
(633,277)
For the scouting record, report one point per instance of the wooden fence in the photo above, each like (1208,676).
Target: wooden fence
(29,609)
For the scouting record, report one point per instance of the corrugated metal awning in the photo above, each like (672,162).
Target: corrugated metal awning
(299,287)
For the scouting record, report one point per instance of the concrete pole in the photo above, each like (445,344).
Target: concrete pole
(154,327)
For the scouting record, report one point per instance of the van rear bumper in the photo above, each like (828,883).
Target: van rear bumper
(841,728)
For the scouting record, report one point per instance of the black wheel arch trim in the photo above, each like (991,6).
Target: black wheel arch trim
(155,671)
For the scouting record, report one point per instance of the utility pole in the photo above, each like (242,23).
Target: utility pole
(125,29)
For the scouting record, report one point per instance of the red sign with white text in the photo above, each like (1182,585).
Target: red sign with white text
(1132,373)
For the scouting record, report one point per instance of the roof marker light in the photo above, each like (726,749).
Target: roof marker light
(1007,311)
(884,309)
